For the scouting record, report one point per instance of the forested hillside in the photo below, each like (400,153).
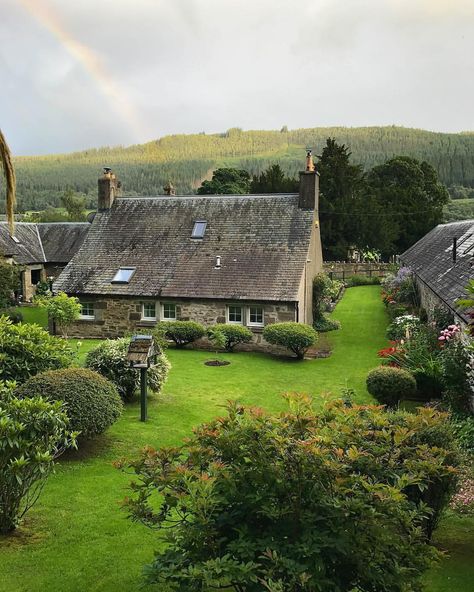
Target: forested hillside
(187,159)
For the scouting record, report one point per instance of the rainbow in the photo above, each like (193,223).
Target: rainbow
(91,63)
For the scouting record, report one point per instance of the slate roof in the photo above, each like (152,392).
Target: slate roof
(431,258)
(262,240)
(54,242)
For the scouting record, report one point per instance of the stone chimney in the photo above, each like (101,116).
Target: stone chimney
(169,189)
(109,188)
(309,185)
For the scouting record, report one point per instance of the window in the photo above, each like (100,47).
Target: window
(123,275)
(169,312)
(234,314)
(199,229)
(149,311)
(35,276)
(256,316)
(87,310)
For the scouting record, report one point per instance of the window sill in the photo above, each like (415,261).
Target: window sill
(86,319)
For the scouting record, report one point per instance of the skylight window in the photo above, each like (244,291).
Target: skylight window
(16,240)
(123,275)
(199,229)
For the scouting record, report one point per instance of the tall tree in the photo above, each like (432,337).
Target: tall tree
(9,171)
(226,181)
(410,192)
(273,180)
(74,205)
(342,185)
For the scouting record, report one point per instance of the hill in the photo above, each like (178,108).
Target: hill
(187,159)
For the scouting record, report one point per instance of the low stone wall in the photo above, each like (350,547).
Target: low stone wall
(116,317)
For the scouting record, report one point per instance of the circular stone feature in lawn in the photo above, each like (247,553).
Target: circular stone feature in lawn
(216,363)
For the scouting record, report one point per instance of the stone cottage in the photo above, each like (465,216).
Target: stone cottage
(443,263)
(239,259)
(42,250)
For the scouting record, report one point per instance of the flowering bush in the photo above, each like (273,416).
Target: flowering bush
(449,333)
(400,288)
(463,501)
(403,327)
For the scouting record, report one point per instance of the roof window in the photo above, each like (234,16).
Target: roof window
(16,240)
(123,275)
(199,229)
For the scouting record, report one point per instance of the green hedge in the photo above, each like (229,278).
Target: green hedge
(181,332)
(390,385)
(91,402)
(229,335)
(296,337)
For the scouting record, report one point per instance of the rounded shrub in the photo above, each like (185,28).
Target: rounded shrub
(229,335)
(182,332)
(26,350)
(294,336)
(390,385)
(110,359)
(91,402)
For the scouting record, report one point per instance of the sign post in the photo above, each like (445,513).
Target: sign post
(142,355)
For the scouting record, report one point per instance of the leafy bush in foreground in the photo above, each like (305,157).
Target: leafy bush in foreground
(28,349)
(296,337)
(33,432)
(232,335)
(297,502)
(91,402)
(61,308)
(390,385)
(110,359)
(182,332)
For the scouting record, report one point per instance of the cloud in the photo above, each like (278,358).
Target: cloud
(100,72)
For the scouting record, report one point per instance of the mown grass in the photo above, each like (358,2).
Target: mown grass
(77,537)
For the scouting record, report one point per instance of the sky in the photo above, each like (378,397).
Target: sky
(78,74)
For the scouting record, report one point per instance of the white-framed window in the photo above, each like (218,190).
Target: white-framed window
(255,316)
(168,311)
(123,275)
(149,311)
(87,310)
(199,229)
(235,314)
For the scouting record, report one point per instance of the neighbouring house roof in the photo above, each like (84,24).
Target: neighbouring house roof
(431,258)
(54,242)
(262,242)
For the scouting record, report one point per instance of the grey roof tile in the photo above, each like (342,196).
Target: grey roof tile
(262,240)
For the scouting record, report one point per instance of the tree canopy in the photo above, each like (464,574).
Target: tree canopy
(226,181)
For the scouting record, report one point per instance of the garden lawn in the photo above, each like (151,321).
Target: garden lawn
(77,537)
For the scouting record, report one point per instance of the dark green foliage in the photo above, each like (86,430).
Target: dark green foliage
(74,205)
(323,324)
(362,280)
(9,282)
(461,209)
(441,317)
(13,314)
(463,427)
(42,289)
(33,432)
(273,180)
(411,194)
(91,402)
(229,335)
(110,360)
(456,361)
(296,337)
(182,332)
(297,502)
(391,385)
(226,181)
(27,349)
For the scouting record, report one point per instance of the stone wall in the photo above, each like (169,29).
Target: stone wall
(115,317)
(430,300)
